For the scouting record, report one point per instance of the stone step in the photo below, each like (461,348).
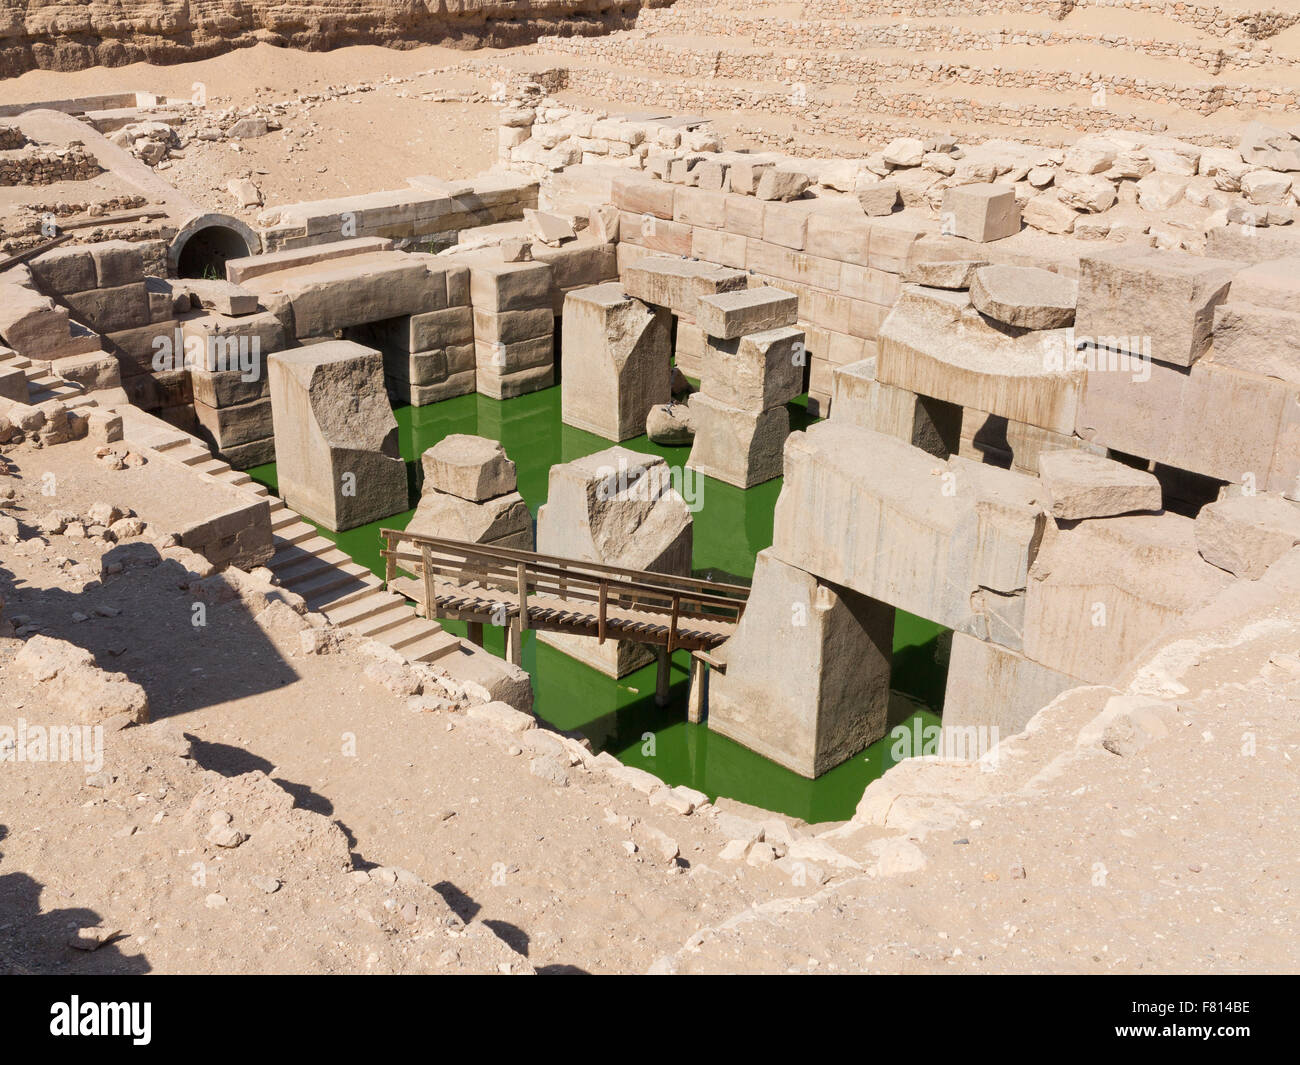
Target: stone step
(382,624)
(410,631)
(351,577)
(364,608)
(296,567)
(333,598)
(432,647)
(294,532)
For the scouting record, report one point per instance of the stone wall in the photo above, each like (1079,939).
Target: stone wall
(47,35)
(33,165)
(847,68)
(836,34)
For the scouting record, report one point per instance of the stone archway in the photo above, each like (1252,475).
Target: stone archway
(206,241)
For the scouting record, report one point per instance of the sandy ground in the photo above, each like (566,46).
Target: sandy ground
(355,142)
(387,840)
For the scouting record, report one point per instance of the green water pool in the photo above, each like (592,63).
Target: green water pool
(731,527)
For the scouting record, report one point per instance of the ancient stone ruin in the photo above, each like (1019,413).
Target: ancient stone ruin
(765,470)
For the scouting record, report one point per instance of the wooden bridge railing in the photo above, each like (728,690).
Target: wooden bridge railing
(594,588)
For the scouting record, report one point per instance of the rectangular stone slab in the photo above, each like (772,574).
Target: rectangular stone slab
(729,315)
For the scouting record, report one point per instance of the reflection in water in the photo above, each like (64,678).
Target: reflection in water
(731,527)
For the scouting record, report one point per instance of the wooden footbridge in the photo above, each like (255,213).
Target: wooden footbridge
(520,590)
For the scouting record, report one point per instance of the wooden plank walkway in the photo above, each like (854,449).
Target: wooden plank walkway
(526,590)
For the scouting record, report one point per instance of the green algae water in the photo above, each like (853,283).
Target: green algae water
(730,528)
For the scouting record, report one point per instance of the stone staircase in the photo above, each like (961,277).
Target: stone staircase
(310,565)
(42,385)
(833,71)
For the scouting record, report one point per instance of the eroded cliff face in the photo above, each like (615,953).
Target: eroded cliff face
(74,34)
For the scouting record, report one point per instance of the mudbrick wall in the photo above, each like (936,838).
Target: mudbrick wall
(62,35)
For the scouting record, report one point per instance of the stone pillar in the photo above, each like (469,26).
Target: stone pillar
(740,415)
(616,507)
(335,435)
(469,494)
(616,355)
(807,679)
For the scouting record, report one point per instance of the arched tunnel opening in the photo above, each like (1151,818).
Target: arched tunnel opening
(203,246)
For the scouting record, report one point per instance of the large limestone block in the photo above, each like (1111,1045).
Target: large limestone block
(934,343)
(1082,485)
(471,467)
(1101,591)
(729,315)
(338,293)
(1275,284)
(1259,340)
(1245,534)
(994,688)
(677,283)
(616,353)
(1213,420)
(981,212)
(755,372)
(1157,304)
(739,447)
(1024,296)
(949,541)
(857,398)
(33,326)
(502,521)
(616,507)
(807,678)
(335,435)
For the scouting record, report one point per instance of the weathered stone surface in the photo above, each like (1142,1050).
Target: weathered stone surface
(951,274)
(616,507)
(982,212)
(729,315)
(503,521)
(778,184)
(1134,294)
(878,198)
(1274,284)
(1086,193)
(335,435)
(1209,419)
(1082,485)
(934,343)
(1101,591)
(368,287)
(1258,340)
(616,355)
(670,424)
(1046,212)
(1024,296)
(739,447)
(472,467)
(1268,146)
(1245,534)
(67,674)
(903,152)
(992,687)
(857,398)
(951,541)
(756,372)
(807,679)
(678,283)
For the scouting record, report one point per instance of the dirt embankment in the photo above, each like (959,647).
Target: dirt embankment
(50,35)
